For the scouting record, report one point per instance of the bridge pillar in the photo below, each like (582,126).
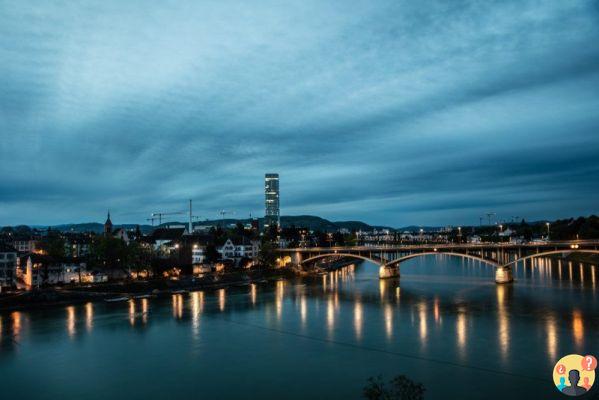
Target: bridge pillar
(503,274)
(389,271)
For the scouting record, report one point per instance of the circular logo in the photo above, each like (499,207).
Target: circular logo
(574,375)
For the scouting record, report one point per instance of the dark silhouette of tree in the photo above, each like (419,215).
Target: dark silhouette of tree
(53,245)
(212,254)
(399,388)
(267,256)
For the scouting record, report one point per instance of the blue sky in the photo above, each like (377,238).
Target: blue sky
(396,113)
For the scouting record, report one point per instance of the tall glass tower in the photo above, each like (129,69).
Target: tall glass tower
(271,205)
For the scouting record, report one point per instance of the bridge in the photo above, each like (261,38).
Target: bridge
(501,256)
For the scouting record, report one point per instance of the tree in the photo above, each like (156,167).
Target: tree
(53,246)
(267,256)
(240,229)
(212,254)
(398,388)
(525,230)
(137,257)
(108,253)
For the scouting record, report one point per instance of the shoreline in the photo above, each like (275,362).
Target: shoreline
(52,297)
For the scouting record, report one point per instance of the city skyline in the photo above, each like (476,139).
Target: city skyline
(390,113)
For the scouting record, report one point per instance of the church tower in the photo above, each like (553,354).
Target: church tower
(108,226)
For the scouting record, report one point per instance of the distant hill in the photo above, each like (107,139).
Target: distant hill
(311,222)
(97,227)
(415,228)
(359,225)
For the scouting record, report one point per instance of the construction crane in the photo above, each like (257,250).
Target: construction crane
(159,215)
(222,215)
(152,219)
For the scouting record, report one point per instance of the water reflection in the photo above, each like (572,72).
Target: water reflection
(436,311)
(358,321)
(279,293)
(578,328)
(177,306)
(389,321)
(16,324)
(303,309)
(197,306)
(132,311)
(144,311)
(551,333)
(222,298)
(253,293)
(71,321)
(330,315)
(461,332)
(504,322)
(358,307)
(423,328)
(89,316)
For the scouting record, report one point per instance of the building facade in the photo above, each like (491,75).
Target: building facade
(37,270)
(198,254)
(243,249)
(271,193)
(25,245)
(8,266)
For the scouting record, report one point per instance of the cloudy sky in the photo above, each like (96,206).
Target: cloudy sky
(396,113)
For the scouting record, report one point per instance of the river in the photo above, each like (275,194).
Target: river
(445,324)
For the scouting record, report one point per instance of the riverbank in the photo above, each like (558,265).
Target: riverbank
(77,294)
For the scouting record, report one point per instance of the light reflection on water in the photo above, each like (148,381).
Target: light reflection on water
(89,316)
(442,308)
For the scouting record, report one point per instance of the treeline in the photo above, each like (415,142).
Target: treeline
(575,228)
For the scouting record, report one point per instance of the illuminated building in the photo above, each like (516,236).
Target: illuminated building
(271,193)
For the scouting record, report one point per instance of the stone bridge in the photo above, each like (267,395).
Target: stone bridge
(498,255)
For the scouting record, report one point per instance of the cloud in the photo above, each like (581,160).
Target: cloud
(393,112)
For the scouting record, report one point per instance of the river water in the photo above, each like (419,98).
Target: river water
(445,324)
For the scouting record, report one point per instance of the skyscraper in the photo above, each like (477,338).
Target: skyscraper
(271,205)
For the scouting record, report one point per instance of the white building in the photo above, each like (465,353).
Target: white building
(506,233)
(24,245)
(198,254)
(121,233)
(246,249)
(474,239)
(37,270)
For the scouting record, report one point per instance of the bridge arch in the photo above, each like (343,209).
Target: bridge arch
(449,253)
(548,253)
(326,255)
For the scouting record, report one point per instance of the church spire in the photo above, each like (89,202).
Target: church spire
(108,225)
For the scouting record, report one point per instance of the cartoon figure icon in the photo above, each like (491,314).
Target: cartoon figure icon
(574,389)
(562,383)
(572,380)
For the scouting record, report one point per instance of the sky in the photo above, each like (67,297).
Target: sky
(389,112)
